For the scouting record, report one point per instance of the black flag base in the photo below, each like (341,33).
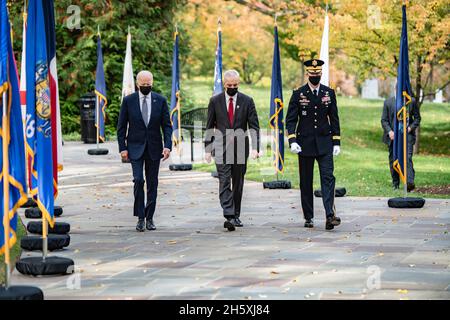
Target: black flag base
(180,167)
(35,227)
(406,203)
(29,204)
(338,192)
(215,174)
(21,293)
(98,152)
(277,184)
(37,266)
(54,242)
(35,213)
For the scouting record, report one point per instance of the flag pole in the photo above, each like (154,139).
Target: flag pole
(277,141)
(97,122)
(6,222)
(405,149)
(27,170)
(277,138)
(97,106)
(274,131)
(44,237)
(179,104)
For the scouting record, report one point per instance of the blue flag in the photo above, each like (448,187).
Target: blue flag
(218,86)
(175,112)
(38,118)
(402,101)
(12,135)
(100,92)
(276,109)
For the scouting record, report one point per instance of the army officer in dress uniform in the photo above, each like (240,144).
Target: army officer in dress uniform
(312,124)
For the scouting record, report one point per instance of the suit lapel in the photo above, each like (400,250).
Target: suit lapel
(309,94)
(237,110)
(152,107)
(320,94)
(392,111)
(138,107)
(224,107)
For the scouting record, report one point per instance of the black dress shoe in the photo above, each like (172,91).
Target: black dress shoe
(229,224)
(150,226)
(410,187)
(332,222)
(336,221)
(329,225)
(309,224)
(140,226)
(238,222)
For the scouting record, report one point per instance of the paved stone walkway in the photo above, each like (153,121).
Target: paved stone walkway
(377,253)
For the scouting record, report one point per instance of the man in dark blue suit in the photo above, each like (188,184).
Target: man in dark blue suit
(144,115)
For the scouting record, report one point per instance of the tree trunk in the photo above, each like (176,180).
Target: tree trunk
(246,76)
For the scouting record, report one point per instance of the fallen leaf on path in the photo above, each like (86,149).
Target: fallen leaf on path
(274,272)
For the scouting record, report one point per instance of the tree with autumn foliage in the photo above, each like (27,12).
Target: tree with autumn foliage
(365,37)
(151,24)
(246,44)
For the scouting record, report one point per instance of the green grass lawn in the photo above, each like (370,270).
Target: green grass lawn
(362,166)
(15,251)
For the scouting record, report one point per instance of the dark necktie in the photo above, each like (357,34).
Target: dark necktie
(315,92)
(231,111)
(145,111)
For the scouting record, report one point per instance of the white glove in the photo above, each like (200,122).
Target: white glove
(295,148)
(336,150)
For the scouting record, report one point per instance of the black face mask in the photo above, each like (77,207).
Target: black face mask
(232,91)
(315,80)
(145,90)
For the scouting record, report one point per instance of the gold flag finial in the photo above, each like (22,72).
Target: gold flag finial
(219,24)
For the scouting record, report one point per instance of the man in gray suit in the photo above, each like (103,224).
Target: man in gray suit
(387,122)
(232,118)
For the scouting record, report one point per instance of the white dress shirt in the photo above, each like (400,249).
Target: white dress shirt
(227,98)
(312,89)
(149,103)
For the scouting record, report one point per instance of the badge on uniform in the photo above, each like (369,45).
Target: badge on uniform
(303,100)
(304,113)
